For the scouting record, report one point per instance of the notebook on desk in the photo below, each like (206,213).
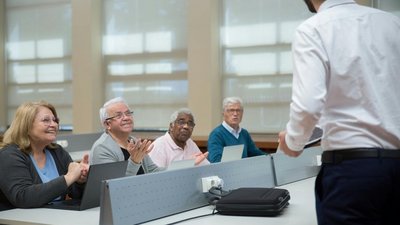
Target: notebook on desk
(91,194)
(181,164)
(231,153)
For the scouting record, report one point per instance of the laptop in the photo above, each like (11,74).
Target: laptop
(231,153)
(181,164)
(91,194)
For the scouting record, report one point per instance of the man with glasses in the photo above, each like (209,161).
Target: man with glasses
(230,133)
(176,144)
(117,144)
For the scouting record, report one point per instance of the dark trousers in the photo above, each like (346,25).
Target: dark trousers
(359,191)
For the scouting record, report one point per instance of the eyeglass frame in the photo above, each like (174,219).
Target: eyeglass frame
(120,115)
(231,111)
(182,123)
(48,119)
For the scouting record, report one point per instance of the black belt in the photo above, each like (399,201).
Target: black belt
(338,156)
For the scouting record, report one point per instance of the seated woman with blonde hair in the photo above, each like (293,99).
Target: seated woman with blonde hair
(33,169)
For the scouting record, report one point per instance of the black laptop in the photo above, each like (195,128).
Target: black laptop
(91,195)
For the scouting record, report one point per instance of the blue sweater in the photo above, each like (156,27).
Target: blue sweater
(220,137)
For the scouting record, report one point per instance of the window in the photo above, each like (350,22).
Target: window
(39,58)
(256,38)
(392,6)
(145,52)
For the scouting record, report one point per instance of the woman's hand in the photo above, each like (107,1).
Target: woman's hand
(73,174)
(77,172)
(84,164)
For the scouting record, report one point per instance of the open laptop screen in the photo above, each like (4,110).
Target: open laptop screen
(181,164)
(91,195)
(233,152)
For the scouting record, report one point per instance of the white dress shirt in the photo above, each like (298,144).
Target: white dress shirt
(346,78)
(231,130)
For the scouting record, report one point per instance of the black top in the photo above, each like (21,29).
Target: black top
(126,157)
(21,186)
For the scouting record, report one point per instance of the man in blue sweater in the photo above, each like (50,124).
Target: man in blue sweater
(230,132)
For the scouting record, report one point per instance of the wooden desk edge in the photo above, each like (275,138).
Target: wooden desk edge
(266,142)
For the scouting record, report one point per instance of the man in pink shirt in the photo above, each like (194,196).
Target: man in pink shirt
(176,144)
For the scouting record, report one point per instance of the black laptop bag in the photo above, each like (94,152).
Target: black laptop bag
(253,202)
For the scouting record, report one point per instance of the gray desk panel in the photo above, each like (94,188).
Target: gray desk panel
(301,211)
(147,197)
(288,169)
(77,142)
(78,155)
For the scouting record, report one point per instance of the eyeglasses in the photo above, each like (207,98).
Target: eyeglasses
(231,111)
(182,123)
(119,115)
(48,119)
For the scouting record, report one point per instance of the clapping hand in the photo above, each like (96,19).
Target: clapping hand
(77,172)
(200,157)
(139,149)
(84,165)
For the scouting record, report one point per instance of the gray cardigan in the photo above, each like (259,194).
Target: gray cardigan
(21,186)
(106,150)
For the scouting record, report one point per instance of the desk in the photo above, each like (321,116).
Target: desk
(301,211)
(44,216)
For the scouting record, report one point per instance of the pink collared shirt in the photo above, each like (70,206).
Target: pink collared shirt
(165,151)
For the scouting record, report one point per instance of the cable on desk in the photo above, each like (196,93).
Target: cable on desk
(190,218)
(213,195)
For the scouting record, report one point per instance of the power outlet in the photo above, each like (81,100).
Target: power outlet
(212,181)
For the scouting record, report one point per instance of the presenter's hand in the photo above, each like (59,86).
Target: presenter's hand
(284,148)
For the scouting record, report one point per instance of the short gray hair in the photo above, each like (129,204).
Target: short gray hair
(174,115)
(231,100)
(103,110)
